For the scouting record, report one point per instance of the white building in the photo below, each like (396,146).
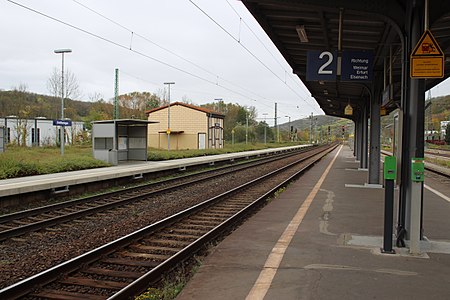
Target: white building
(39,131)
(444,128)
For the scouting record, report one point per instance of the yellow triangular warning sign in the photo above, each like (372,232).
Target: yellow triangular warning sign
(427,46)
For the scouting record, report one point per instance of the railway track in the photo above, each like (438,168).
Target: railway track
(16,224)
(441,171)
(445,154)
(124,268)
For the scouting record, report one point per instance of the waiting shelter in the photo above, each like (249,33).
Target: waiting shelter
(120,140)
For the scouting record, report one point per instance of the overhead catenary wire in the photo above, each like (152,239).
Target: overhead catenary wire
(133,32)
(127,47)
(250,52)
(217,77)
(267,49)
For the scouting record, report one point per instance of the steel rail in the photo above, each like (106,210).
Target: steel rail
(427,166)
(25,286)
(141,284)
(48,208)
(17,231)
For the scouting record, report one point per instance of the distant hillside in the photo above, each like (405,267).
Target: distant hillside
(320,120)
(31,105)
(440,108)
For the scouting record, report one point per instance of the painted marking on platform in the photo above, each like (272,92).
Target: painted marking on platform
(350,268)
(364,186)
(262,284)
(437,193)
(327,209)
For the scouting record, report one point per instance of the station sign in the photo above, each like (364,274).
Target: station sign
(321,65)
(357,66)
(427,58)
(348,111)
(62,122)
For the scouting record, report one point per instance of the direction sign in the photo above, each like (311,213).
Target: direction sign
(322,65)
(62,122)
(427,58)
(357,66)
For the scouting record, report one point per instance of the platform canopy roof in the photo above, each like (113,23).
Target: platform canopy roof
(126,122)
(374,25)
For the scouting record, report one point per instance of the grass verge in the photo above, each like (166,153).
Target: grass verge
(24,161)
(158,154)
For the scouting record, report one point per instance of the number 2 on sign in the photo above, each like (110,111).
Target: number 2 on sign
(327,63)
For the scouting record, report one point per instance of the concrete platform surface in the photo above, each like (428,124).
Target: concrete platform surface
(334,253)
(29,184)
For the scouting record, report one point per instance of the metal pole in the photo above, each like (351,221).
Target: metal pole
(62,140)
(62,51)
(290,131)
(116,95)
(265,134)
(365,140)
(388,216)
(246,128)
(265,128)
(168,116)
(375,133)
(276,125)
(218,104)
(289,127)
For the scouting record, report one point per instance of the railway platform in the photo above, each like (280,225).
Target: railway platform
(61,182)
(321,239)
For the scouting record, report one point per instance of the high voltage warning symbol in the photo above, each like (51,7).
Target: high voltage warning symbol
(427,58)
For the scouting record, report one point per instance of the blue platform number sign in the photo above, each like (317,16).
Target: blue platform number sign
(321,65)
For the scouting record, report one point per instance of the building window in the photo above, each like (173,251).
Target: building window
(35,139)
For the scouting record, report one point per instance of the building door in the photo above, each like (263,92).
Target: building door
(202,141)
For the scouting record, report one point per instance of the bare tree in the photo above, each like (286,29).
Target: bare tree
(22,88)
(95,97)
(71,87)
(185,99)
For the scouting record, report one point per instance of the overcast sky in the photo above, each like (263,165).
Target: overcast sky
(205,61)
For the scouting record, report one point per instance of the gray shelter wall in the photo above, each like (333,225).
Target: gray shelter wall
(137,143)
(122,139)
(103,141)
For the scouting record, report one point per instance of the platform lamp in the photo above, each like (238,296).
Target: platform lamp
(62,52)
(168,116)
